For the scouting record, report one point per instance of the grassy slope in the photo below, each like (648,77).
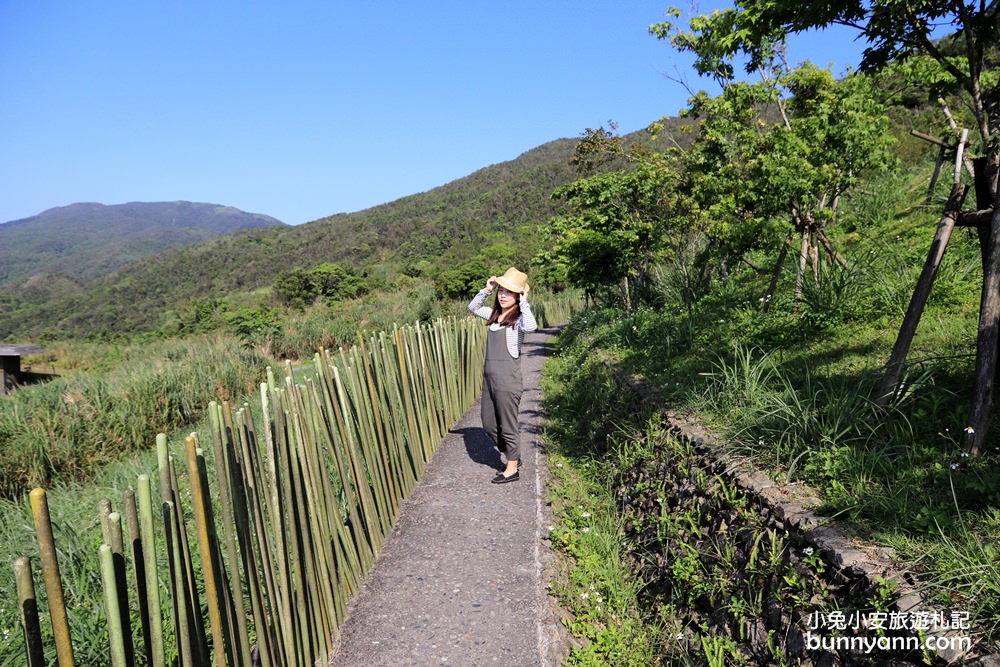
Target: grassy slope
(792,390)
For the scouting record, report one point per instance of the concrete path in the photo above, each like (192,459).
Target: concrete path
(462,578)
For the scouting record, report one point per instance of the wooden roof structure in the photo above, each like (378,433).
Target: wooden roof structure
(10,364)
(15,350)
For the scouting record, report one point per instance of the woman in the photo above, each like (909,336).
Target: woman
(508,320)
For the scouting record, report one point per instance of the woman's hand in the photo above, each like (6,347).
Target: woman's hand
(490,284)
(524,294)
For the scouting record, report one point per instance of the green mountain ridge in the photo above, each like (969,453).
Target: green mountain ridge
(89,240)
(502,205)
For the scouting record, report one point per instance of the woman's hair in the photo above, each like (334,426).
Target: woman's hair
(512,317)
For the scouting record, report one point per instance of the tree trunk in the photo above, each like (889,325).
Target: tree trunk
(776,274)
(934,176)
(837,257)
(814,259)
(894,368)
(986,346)
(801,269)
(974,437)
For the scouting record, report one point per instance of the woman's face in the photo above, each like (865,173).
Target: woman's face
(506,298)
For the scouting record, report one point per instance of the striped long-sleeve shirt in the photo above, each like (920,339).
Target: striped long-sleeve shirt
(515,335)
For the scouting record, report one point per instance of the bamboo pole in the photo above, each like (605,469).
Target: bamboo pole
(28,605)
(196,623)
(921,293)
(257,535)
(116,541)
(354,544)
(185,646)
(50,574)
(236,610)
(210,567)
(113,612)
(269,520)
(154,649)
(138,570)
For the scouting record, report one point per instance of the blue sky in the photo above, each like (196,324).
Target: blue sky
(300,109)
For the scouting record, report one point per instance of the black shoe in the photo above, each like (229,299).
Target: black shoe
(502,479)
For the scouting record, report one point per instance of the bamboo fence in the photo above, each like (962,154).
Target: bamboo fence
(266,527)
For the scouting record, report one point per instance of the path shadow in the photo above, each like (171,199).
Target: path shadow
(539,348)
(479,448)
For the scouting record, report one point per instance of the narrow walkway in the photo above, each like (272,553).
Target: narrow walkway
(462,578)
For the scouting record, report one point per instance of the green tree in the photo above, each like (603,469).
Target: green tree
(789,145)
(256,327)
(616,228)
(300,288)
(896,30)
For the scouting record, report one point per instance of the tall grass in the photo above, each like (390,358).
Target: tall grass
(64,429)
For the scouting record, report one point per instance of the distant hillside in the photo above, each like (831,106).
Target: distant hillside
(497,209)
(91,240)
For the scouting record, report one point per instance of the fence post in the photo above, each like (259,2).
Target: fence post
(50,573)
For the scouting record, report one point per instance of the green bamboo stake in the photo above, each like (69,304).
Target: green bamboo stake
(135,550)
(103,510)
(270,501)
(50,573)
(418,383)
(362,548)
(329,537)
(154,649)
(386,418)
(174,562)
(237,618)
(324,537)
(426,375)
(182,633)
(304,510)
(374,420)
(404,434)
(411,423)
(111,608)
(28,604)
(293,601)
(376,477)
(196,623)
(256,545)
(369,510)
(116,542)
(211,575)
(347,546)
(269,522)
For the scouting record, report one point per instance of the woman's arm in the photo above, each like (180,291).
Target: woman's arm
(476,306)
(527,320)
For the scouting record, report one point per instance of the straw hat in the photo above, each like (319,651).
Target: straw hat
(513,280)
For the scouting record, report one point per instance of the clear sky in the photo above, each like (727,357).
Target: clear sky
(300,109)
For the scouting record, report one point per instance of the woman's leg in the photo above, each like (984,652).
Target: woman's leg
(508,405)
(488,414)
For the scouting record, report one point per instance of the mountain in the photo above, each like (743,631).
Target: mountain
(89,240)
(494,212)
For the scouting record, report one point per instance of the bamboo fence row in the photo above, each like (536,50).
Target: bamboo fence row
(265,529)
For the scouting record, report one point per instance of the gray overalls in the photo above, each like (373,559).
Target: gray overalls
(501,394)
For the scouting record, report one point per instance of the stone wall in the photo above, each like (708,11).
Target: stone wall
(853,574)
